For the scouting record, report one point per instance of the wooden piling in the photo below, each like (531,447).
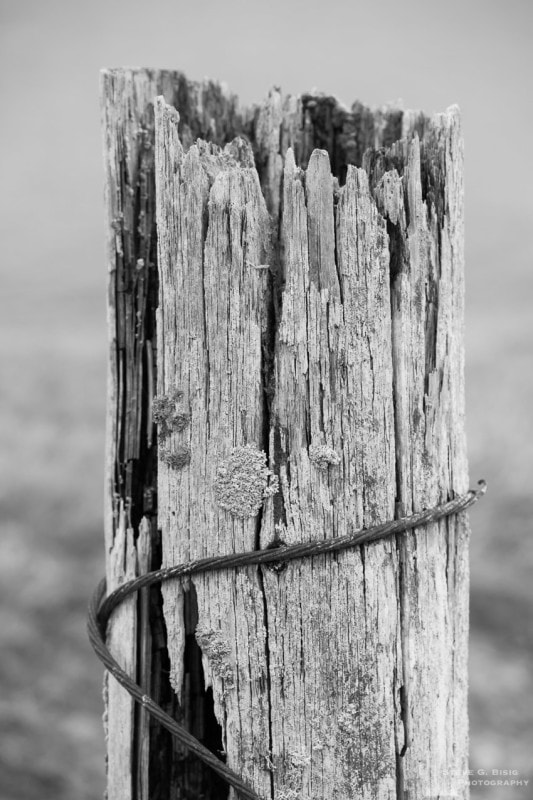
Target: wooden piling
(303,378)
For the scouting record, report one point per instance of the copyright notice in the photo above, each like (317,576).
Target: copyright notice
(496,777)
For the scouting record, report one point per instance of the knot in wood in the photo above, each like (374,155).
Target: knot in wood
(244,481)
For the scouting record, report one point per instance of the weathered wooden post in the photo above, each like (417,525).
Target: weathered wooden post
(286,364)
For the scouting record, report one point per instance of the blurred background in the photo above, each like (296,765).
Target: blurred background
(53,324)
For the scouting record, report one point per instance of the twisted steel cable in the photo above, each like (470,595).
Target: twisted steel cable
(102,606)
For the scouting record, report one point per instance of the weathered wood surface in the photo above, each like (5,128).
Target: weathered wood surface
(130,458)
(342,362)
(131,534)
(213,229)
(425,216)
(342,675)
(332,637)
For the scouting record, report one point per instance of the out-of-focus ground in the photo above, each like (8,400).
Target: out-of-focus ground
(53,351)
(52,395)
(500,434)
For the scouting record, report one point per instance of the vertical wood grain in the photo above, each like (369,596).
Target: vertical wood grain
(304,374)
(364,653)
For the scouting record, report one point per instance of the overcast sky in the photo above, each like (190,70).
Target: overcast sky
(474,52)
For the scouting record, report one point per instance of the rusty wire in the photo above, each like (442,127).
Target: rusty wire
(101,607)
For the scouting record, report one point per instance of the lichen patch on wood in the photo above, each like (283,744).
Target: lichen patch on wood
(167,414)
(175,457)
(323,456)
(244,481)
(217,652)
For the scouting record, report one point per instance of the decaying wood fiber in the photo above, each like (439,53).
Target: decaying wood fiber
(141,761)
(301,377)
(340,676)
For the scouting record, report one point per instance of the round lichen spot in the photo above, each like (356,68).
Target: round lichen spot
(244,481)
(161,408)
(177,458)
(167,416)
(179,420)
(323,456)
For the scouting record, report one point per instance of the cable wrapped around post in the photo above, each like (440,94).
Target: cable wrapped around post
(101,607)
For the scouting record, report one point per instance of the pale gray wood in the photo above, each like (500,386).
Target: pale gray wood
(121,565)
(213,231)
(130,474)
(125,97)
(345,675)
(333,622)
(427,317)
(144,656)
(284,360)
